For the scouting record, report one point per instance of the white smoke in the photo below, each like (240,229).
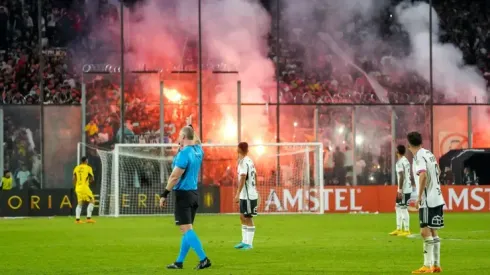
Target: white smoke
(457,81)
(452,77)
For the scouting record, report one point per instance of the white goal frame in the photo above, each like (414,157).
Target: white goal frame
(317,166)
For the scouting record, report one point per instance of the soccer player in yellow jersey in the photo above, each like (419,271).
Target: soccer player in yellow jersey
(82,177)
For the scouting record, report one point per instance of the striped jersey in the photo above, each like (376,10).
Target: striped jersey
(425,161)
(249,190)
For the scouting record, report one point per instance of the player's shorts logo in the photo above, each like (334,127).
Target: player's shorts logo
(437,220)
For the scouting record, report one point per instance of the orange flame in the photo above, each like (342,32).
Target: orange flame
(173,95)
(260,149)
(229,129)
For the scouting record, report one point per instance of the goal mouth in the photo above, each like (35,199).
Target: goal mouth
(289,178)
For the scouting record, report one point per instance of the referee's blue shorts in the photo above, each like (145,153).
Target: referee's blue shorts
(186,204)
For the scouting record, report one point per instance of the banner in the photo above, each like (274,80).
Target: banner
(47,202)
(145,201)
(354,199)
(213,199)
(450,129)
(14,203)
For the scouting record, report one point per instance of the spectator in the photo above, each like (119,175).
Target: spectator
(349,164)
(23,177)
(338,166)
(228,179)
(469,177)
(360,167)
(328,166)
(6,181)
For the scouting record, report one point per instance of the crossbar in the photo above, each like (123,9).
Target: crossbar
(317,144)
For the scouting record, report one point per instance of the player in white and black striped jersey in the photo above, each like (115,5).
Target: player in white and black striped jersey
(246,195)
(429,201)
(403,194)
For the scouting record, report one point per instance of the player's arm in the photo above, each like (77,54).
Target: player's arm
(401,180)
(91,177)
(422,183)
(421,167)
(241,184)
(74,179)
(242,171)
(174,177)
(401,177)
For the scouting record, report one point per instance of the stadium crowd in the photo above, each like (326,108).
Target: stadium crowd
(303,78)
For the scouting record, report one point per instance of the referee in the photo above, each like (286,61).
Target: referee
(183,181)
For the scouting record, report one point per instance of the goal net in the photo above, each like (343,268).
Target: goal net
(289,177)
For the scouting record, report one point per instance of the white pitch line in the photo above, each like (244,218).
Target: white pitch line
(416,236)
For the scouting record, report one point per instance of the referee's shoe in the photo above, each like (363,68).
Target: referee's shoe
(204,264)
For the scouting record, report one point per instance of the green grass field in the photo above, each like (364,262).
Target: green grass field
(286,244)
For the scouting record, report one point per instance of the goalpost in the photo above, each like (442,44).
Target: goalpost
(133,176)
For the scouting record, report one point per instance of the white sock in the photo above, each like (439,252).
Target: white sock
(90,208)
(428,251)
(78,211)
(406,219)
(398,218)
(244,233)
(250,235)
(437,251)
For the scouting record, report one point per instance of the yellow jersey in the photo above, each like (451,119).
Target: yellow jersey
(82,172)
(6,183)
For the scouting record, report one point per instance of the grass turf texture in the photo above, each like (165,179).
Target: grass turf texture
(285,244)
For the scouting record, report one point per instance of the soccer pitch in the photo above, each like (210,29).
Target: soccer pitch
(284,244)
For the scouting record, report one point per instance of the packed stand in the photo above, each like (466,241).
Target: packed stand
(62,23)
(325,77)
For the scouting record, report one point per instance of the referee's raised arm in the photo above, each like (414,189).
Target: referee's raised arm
(183,182)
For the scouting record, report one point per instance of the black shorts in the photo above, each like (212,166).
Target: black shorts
(403,202)
(248,208)
(432,217)
(186,204)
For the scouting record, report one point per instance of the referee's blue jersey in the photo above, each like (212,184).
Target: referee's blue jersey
(189,159)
